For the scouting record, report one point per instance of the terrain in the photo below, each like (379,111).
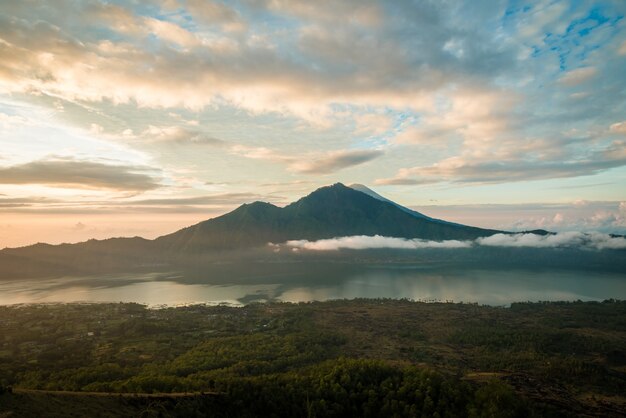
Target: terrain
(332,211)
(338,358)
(328,212)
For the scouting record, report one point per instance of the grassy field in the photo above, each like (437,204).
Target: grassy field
(336,358)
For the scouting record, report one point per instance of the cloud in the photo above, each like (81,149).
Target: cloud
(481,116)
(424,135)
(170,32)
(202,53)
(117,53)
(335,161)
(216,13)
(196,204)
(362,242)
(216,199)
(465,169)
(179,135)
(372,124)
(80,174)
(286,183)
(313,163)
(260,153)
(579,215)
(493,146)
(544,17)
(11,121)
(578,76)
(594,241)
(367,13)
(402,181)
(619,127)
(558,218)
(22,202)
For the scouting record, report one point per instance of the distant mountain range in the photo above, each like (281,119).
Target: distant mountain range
(328,212)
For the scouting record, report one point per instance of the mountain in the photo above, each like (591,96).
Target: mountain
(328,212)
(364,189)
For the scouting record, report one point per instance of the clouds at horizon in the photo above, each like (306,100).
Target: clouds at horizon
(205,204)
(580,215)
(363,242)
(592,240)
(579,240)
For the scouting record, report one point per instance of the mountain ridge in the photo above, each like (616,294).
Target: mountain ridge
(328,212)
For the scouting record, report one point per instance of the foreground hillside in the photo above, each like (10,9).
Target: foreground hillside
(340,358)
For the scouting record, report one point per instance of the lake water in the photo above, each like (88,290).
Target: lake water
(492,287)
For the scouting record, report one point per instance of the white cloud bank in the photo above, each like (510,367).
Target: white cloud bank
(362,242)
(594,240)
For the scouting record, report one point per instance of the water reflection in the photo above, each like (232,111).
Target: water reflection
(493,287)
(148,292)
(481,286)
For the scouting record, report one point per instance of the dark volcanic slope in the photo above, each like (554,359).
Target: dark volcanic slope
(328,212)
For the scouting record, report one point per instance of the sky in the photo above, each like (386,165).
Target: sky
(139,117)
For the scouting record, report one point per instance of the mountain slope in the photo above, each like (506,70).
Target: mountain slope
(328,212)
(364,189)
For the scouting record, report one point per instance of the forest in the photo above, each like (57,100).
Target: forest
(362,357)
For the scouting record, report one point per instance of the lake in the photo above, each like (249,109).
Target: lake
(491,287)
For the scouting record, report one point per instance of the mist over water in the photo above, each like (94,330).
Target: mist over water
(483,286)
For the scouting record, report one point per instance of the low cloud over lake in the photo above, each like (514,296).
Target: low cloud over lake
(589,241)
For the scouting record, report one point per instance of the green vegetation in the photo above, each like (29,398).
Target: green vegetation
(337,358)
